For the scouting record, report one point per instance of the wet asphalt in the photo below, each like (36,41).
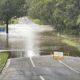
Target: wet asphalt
(45,66)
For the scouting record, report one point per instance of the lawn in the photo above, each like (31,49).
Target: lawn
(3,60)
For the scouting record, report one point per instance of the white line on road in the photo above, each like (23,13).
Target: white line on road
(41,77)
(69,67)
(32,62)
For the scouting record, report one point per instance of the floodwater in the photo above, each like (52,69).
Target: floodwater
(24,37)
(29,39)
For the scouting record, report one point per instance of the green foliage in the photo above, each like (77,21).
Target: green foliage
(11,8)
(37,21)
(41,9)
(1,22)
(64,15)
(78,20)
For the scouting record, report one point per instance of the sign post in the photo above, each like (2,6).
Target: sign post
(58,55)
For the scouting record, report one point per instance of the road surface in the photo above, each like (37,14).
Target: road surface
(42,68)
(25,36)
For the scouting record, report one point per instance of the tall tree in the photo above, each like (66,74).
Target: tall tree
(63,15)
(11,8)
(42,9)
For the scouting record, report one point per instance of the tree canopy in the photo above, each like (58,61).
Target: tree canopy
(11,8)
(64,15)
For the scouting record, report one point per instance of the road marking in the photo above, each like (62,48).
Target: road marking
(32,62)
(69,67)
(41,77)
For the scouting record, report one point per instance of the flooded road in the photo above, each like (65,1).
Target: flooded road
(31,38)
(28,37)
(24,36)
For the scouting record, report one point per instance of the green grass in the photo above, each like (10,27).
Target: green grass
(37,21)
(70,45)
(72,41)
(3,60)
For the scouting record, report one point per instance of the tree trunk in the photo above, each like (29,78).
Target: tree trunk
(7,27)
(7,37)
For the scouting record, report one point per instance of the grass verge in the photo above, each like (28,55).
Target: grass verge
(72,43)
(3,60)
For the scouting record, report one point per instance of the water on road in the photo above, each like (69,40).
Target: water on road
(28,37)
(24,36)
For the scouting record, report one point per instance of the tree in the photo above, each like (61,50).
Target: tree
(63,15)
(42,9)
(11,8)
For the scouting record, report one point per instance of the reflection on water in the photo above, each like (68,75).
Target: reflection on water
(30,53)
